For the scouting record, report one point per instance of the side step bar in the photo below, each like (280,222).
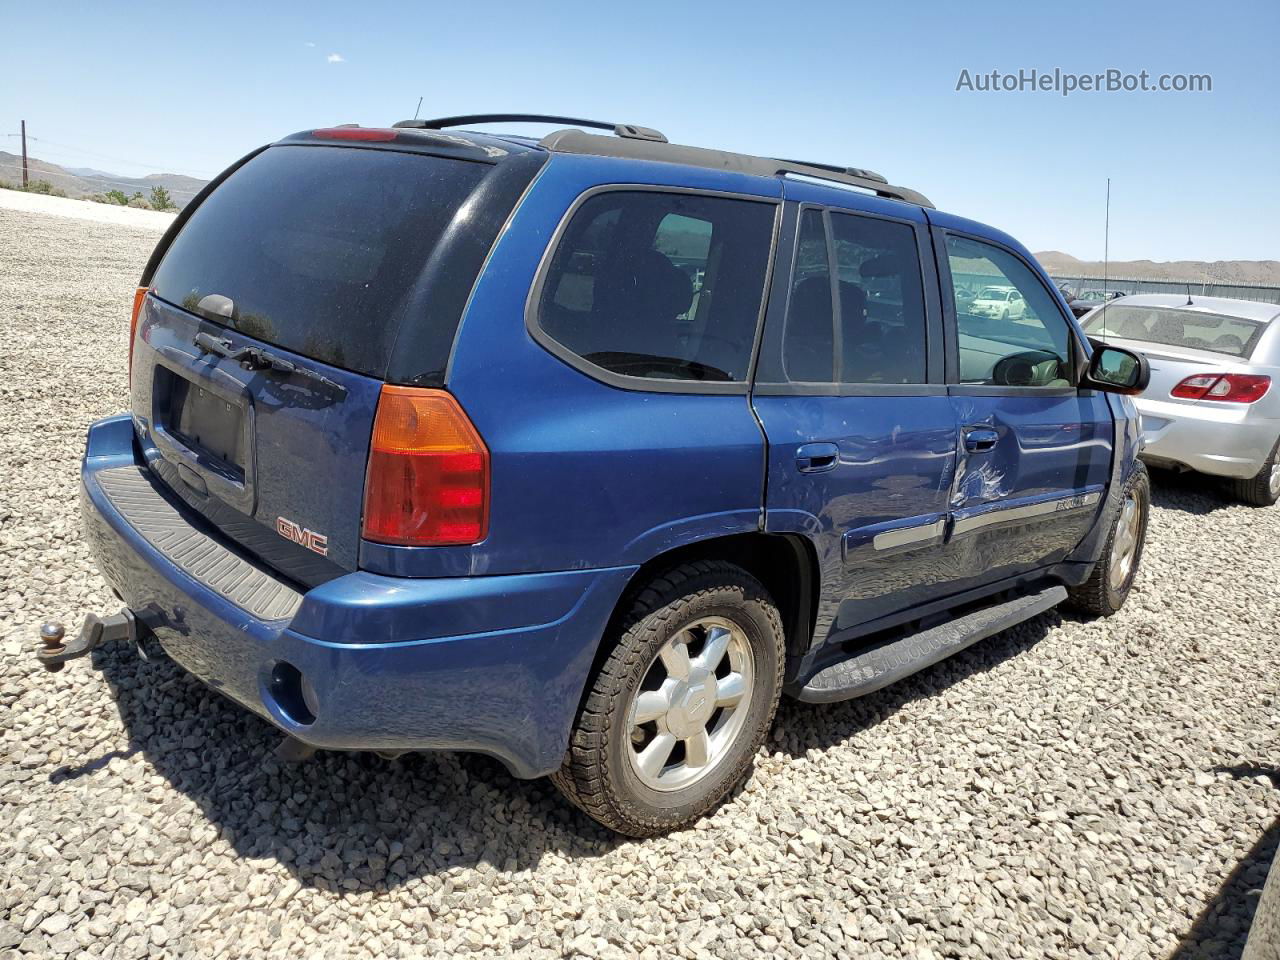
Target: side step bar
(868,670)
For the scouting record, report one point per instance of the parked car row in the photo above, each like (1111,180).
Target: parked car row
(580,452)
(1086,300)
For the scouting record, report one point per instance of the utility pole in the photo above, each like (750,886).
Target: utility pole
(24,154)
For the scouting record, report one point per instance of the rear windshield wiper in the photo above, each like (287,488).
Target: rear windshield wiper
(256,358)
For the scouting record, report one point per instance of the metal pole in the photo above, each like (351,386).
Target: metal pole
(24,154)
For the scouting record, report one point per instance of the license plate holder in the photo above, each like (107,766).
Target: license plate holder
(206,422)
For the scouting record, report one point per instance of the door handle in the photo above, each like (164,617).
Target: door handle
(979,439)
(816,457)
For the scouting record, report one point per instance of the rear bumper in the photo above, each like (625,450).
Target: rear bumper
(494,665)
(1224,439)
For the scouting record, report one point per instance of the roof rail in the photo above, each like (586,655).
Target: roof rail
(577,141)
(862,172)
(628,131)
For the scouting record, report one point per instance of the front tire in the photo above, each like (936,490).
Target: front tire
(1263,489)
(1112,577)
(674,715)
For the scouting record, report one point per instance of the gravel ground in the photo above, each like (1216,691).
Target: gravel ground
(1065,788)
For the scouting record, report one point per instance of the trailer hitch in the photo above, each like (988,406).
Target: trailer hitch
(55,650)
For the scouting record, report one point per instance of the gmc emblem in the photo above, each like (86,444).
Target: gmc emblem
(315,542)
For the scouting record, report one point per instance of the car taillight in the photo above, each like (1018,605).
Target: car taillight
(139,295)
(1227,387)
(428,479)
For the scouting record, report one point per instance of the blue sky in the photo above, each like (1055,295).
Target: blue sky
(132,87)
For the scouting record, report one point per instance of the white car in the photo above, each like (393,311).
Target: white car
(1213,403)
(1004,303)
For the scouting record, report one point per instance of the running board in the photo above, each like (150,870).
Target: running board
(868,670)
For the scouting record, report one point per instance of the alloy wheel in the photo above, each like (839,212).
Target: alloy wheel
(691,705)
(1124,547)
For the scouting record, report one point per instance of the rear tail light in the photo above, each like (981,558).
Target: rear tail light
(428,481)
(139,295)
(1227,387)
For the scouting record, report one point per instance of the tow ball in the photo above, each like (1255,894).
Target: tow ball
(55,650)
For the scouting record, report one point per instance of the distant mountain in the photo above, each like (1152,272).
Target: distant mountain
(83,181)
(1260,272)
(1057,256)
(88,172)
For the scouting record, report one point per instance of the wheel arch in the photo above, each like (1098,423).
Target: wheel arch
(785,563)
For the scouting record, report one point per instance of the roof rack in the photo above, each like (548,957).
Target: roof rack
(577,141)
(645,143)
(628,131)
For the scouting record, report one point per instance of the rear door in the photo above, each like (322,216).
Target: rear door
(265,338)
(849,389)
(1035,451)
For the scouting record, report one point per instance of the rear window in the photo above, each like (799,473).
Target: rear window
(318,247)
(662,286)
(1232,336)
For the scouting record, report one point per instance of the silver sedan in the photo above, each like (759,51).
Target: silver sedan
(1213,404)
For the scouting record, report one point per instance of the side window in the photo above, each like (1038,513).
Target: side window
(879,336)
(808,337)
(882,318)
(1012,333)
(663,286)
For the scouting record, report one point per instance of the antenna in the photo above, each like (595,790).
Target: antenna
(1106,242)
(418,109)
(1106,257)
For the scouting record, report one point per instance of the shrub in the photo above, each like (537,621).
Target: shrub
(138,201)
(160,199)
(44,187)
(115,196)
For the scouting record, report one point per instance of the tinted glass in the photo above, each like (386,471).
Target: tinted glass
(663,286)
(1233,336)
(882,322)
(808,336)
(318,247)
(1006,341)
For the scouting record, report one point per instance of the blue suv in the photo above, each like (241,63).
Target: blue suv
(578,452)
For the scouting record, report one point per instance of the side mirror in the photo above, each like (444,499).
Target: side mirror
(1116,370)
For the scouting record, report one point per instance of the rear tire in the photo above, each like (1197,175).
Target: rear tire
(1112,577)
(674,715)
(1262,489)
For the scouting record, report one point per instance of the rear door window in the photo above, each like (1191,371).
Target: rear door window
(660,286)
(868,327)
(317,247)
(808,336)
(882,318)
